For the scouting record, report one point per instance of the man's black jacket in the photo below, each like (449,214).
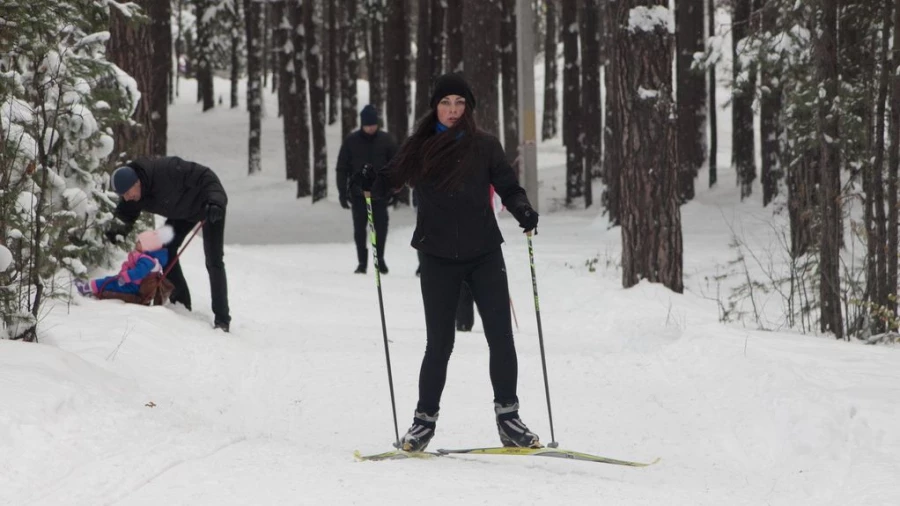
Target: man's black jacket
(359,149)
(174,188)
(459,223)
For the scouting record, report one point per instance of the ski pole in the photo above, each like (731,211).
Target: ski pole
(537,311)
(387,352)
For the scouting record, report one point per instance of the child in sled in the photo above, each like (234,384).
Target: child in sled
(147,260)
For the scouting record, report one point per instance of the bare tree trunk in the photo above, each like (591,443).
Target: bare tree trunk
(830,237)
(572,103)
(235,19)
(349,67)
(377,11)
(304,186)
(130,47)
(550,126)
(893,161)
(591,104)
(508,72)
(271,54)
(313,19)
(651,218)
(253,23)
(770,118)
(713,124)
(423,58)
(289,103)
(161,45)
(742,138)
(179,50)
(480,55)
(265,17)
(396,51)
(334,84)
(203,52)
(455,35)
(281,33)
(875,217)
(691,95)
(438,37)
(612,159)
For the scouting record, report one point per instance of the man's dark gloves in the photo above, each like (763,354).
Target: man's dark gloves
(364,178)
(345,203)
(214,213)
(115,230)
(527,218)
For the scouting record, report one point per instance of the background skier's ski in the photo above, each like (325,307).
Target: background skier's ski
(395,455)
(547,452)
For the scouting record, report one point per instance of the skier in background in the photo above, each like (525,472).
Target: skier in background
(366,147)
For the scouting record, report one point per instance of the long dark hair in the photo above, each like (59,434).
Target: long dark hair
(439,159)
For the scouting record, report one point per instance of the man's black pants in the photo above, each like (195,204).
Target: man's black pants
(213,244)
(361,224)
(441,281)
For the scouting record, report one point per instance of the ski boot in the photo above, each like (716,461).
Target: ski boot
(513,431)
(83,287)
(419,435)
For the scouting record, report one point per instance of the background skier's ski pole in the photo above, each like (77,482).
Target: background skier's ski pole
(387,352)
(537,311)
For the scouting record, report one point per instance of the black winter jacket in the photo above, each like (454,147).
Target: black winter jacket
(359,149)
(174,188)
(460,223)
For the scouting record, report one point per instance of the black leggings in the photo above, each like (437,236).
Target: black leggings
(441,281)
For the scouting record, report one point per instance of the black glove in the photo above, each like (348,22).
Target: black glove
(527,218)
(115,230)
(345,203)
(214,213)
(364,178)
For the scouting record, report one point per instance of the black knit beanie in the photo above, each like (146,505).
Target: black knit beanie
(452,84)
(368,116)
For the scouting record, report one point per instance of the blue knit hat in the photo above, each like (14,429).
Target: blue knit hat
(368,116)
(123,179)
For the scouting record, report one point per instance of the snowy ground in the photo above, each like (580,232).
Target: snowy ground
(127,405)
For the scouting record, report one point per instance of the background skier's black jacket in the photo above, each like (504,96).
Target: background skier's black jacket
(174,188)
(460,223)
(359,149)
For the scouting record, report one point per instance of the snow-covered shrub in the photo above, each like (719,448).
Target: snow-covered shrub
(56,122)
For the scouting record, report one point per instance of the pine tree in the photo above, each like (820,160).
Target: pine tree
(551,107)
(313,19)
(691,95)
(480,56)
(376,15)
(298,41)
(572,104)
(396,51)
(742,137)
(508,73)
(61,97)
(830,237)
(423,58)
(349,66)
(253,23)
(455,35)
(592,105)
(651,218)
